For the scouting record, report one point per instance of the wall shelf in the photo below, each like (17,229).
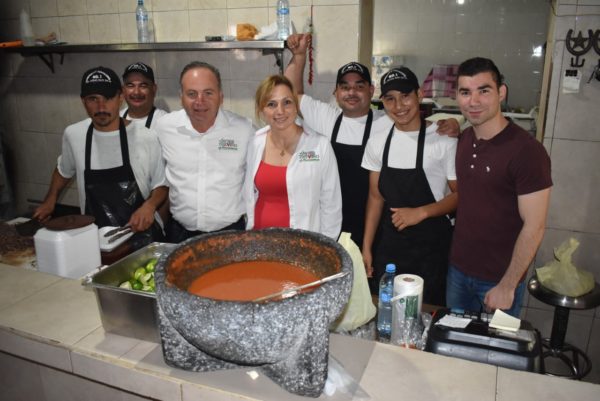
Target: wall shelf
(46,53)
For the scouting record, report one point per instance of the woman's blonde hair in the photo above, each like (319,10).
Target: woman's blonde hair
(264,90)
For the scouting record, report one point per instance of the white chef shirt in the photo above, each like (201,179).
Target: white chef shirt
(322,116)
(205,171)
(144,156)
(438,155)
(313,183)
(158,113)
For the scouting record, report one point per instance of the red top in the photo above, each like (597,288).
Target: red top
(272,208)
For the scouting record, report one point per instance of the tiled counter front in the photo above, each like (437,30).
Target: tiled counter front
(53,347)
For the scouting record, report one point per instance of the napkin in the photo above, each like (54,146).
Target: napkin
(504,321)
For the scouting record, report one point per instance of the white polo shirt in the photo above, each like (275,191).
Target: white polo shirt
(312,180)
(158,113)
(322,116)
(205,171)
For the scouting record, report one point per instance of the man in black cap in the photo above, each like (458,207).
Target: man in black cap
(349,126)
(412,189)
(118,164)
(139,91)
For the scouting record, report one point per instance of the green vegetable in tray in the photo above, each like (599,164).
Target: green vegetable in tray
(142,278)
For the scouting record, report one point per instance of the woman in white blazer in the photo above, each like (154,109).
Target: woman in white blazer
(291,172)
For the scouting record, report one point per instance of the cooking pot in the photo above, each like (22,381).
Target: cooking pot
(286,339)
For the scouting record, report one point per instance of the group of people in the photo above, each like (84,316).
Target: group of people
(388,177)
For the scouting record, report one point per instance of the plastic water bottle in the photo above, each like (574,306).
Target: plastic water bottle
(26,29)
(283,19)
(384,312)
(141,18)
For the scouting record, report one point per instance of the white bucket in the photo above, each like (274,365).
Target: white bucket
(68,253)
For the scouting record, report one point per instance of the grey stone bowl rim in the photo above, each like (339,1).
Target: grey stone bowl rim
(345,263)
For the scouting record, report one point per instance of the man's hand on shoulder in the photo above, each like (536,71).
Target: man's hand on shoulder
(448,126)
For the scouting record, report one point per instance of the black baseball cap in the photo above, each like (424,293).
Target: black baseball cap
(140,68)
(353,67)
(399,78)
(100,81)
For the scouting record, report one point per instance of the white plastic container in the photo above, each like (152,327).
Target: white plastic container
(68,253)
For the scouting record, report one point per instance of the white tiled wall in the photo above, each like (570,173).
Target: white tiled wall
(37,105)
(573,140)
(444,32)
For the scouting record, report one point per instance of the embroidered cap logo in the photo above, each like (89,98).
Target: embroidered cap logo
(97,76)
(394,75)
(352,67)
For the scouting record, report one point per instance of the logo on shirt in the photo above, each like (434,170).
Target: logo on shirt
(308,156)
(227,144)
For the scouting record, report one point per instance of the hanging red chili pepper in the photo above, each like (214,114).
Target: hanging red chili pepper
(310,49)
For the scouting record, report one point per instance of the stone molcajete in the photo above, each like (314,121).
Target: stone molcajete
(288,340)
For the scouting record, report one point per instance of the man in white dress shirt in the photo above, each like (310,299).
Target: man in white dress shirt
(204,148)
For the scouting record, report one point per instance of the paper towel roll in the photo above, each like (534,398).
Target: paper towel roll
(408,285)
(405,319)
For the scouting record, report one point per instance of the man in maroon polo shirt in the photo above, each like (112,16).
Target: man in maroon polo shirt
(504,182)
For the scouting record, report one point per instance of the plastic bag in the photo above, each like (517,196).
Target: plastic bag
(561,276)
(359,309)
(341,381)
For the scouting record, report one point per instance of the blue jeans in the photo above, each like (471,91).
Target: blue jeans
(467,292)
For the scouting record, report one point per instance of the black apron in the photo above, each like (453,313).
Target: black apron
(354,181)
(148,119)
(421,249)
(112,195)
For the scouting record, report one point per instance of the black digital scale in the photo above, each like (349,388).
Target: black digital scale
(520,350)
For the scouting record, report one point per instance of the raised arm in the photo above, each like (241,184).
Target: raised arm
(533,209)
(298,44)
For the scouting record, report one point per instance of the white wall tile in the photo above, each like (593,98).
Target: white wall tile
(43,8)
(126,378)
(44,26)
(246,3)
(329,55)
(207,22)
(71,7)
(169,5)
(47,354)
(513,385)
(334,2)
(102,7)
(105,28)
(574,200)
(129,6)
(172,26)
(20,379)
(593,351)
(74,30)
(207,4)
(128,28)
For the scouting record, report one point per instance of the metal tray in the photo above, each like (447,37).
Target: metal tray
(126,312)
